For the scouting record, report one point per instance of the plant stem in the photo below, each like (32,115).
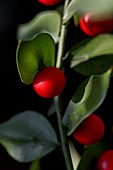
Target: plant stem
(61,46)
(64,141)
(62,37)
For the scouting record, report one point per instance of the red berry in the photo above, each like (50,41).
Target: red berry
(49,82)
(93,27)
(49,2)
(90,131)
(105,161)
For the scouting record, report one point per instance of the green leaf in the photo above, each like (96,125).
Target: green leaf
(75,156)
(93,93)
(51,110)
(76,19)
(34,53)
(46,21)
(95,66)
(92,55)
(28,136)
(90,156)
(91,48)
(81,7)
(35,165)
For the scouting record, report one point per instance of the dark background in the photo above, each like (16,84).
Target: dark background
(14,95)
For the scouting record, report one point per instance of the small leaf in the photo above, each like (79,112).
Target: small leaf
(51,110)
(46,21)
(35,165)
(90,156)
(28,136)
(81,7)
(74,155)
(91,48)
(76,19)
(33,54)
(93,93)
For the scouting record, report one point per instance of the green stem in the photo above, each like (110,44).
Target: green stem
(64,141)
(61,44)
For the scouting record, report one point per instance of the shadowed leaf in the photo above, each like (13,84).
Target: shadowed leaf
(48,21)
(28,136)
(90,156)
(92,56)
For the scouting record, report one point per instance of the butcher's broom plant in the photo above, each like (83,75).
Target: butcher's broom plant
(73,75)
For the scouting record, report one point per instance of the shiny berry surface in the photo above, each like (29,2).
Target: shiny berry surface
(49,2)
(95,27)
(105,161)
(49,82)
(90,131)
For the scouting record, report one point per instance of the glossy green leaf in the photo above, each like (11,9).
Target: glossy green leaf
(46,21)
(34,53)
(81,7)
(91,48)
(28,136)
(92,93)
(90,156)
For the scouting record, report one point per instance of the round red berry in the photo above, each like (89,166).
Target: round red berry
(49,2)
(93,27)
(105,161)
(90,131)
(49,82)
